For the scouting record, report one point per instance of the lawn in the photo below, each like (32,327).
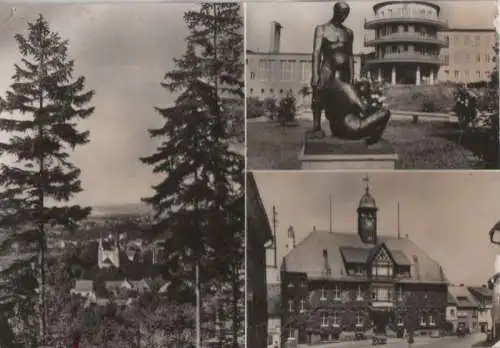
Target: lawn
(426,145)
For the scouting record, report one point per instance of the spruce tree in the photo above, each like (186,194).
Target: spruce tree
(37,179)
(200,199)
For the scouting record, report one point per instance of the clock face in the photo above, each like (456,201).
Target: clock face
(368,221)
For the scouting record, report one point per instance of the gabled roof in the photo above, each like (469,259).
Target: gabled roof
(307,256)
(463,297)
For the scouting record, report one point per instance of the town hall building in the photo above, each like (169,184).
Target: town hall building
(336,283)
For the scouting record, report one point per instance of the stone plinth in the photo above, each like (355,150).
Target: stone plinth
(337,154)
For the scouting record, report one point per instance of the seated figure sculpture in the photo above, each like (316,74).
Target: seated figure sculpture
(332,85)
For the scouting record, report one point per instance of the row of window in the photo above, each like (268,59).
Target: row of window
(335,319)
(289,70)
(378,293)
(414,49)
(464,57)
(407,12)
(396,29)
(467,40)
(466,75)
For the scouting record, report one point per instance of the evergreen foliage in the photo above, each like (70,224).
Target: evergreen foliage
(37,179)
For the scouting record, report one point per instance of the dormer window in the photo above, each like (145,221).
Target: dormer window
(382,265)
(322,295)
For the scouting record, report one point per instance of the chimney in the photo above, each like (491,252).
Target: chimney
(462,285)
(406,236)
(275,41)
(314,228)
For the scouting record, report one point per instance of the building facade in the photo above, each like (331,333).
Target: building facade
(484,297)
(468,56)
(334,283)
(406,42)
(273,73)
(451,314)
(467,307)
(258,235)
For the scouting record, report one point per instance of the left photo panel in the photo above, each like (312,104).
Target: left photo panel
(122,191)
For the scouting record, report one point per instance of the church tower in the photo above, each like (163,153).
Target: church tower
(367,216)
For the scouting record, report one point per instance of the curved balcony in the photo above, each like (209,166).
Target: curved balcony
(405,58)
(407,38)
(400,19)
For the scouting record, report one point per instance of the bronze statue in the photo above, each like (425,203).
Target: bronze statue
(332,84)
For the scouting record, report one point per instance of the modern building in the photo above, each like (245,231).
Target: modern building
(272,73)
(406,42)
(258,235)
(469,55)
(484,297)
(467,307)
(338,282)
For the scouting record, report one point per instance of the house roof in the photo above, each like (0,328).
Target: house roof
(463,297)
(307,256)
(483,291)
(84,286)
(451,301)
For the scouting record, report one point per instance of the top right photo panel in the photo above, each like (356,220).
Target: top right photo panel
(368,85)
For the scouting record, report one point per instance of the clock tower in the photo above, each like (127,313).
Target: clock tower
(367,216)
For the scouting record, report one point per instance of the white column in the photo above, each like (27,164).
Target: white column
(417,77)
(393,75)
(379,75)
(431,77)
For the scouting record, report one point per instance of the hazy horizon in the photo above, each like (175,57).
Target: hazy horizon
(124,52)
(447,214)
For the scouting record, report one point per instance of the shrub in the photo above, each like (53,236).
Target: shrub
(270,107)
(287,109)
(255,107)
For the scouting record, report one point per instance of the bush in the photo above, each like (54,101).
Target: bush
(270,107)
(255,108)
(287,109)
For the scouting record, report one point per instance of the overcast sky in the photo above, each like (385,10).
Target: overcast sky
(447,214)
(124,51)
(299,19)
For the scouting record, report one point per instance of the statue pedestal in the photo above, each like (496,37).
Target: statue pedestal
(337,154)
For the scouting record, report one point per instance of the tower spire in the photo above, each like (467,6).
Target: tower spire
(366,180)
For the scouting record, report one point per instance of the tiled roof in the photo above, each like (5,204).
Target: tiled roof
(354,255)
(463,297)
(483,291)
(451,300)
(307,256)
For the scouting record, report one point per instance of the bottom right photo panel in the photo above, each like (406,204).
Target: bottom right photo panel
(400,258)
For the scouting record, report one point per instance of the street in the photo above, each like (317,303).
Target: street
(421,342)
